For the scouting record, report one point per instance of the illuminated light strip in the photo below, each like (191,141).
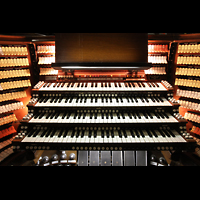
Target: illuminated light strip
(77,67)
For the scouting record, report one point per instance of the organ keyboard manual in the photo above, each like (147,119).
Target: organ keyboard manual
(97,104)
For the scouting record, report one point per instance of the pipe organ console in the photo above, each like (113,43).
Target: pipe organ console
(100,115)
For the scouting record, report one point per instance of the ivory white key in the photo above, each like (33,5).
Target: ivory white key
(171,118)
(178,138)
(55,137)
(68,138)
(71,118)
(168,139)
(86,137)
(59,119)
(119,140)
(136,138)
(147,137)
(38,137)
(45,137)
(99,139)
(42,119)
(92,137)
(54,119)
(142,140)
(105,139)
(79,139)
(143,119)
(129,136)
(123,139)
(60,139)
(62,103)
(160,137)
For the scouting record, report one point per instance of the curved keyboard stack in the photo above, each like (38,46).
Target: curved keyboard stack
(102,116)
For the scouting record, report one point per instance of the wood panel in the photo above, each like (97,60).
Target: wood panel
(101,47)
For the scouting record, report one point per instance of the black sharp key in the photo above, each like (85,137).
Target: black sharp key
(51,116)
(102,134)
(56,116)
(111,115)
(129,114)
(90,134)
(82,134)
(60,133)
(35,133)
(112,134)
(64,114)
(54,85)
(138,115)
(157,99)
(58,85)
(47,133)
(135,98)
(124,132)
(141,133)
(156,114)
(41,100)
(43,133)
(68,115)
(162,133)
(163,117)
(75,115)
(41,115)
(119,133)
(123,116)
(149,133)
(170,132)
(146,115)
(65,133)
(142,99)
(73,133)
(149,84)
(77,133)
(166,133)
(160,99)
(156,84)
(45,85)
(60,99)
(152,99)
(30,133)
(143,84)
(107,133)
(137,133)
(149,115)
(132,133)
(95,133)
(46,99)
(146,100)
(52,133)
(154,133)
